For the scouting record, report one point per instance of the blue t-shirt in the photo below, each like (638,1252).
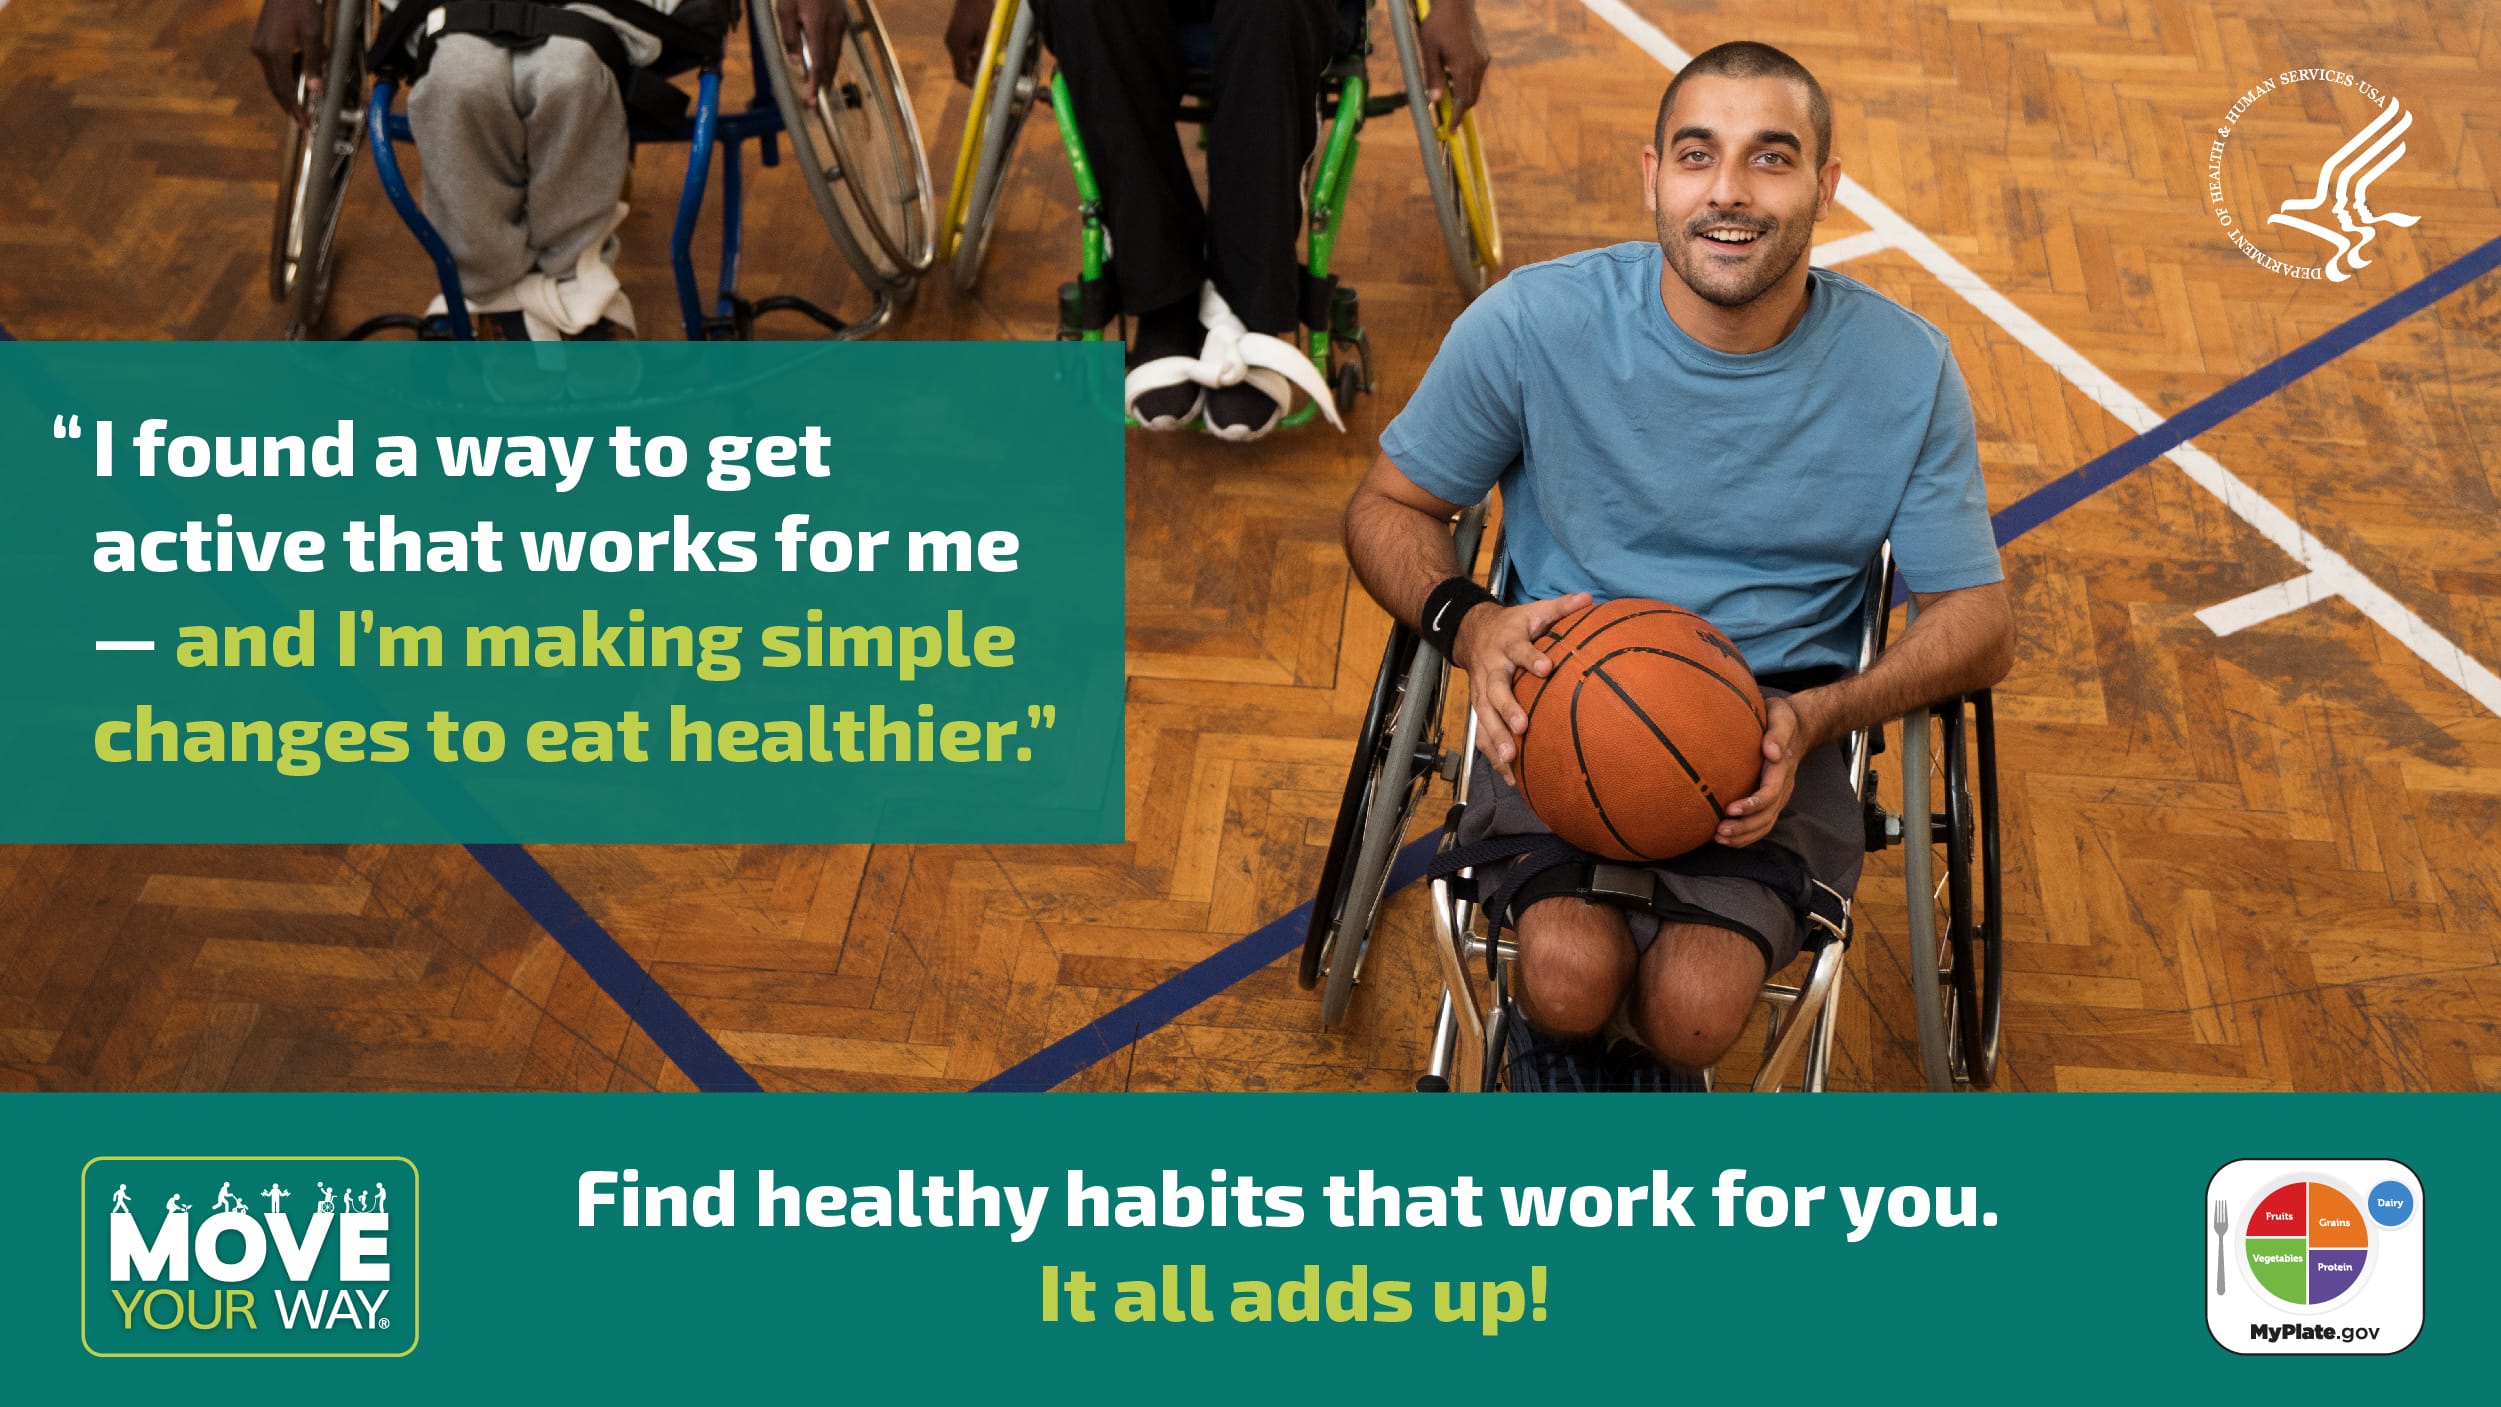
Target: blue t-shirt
(1635,461)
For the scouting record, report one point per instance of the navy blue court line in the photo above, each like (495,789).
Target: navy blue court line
(687,1045)
(1159,1006)
(2061,494)
(1154,1008)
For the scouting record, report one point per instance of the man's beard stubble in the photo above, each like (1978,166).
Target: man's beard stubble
(1785,243)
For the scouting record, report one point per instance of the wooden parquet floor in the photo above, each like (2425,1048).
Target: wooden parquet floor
(2255,861)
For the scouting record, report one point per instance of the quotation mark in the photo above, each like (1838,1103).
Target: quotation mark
(1040,716)
(71,432)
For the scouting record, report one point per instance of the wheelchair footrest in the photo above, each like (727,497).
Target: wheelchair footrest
(744,314)
(1536,1065)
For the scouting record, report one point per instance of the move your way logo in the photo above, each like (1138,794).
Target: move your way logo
(259,1257)
(2337,211)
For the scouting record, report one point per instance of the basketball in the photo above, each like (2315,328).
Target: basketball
(1648,727)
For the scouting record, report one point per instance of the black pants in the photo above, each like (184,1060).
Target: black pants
(1124,67)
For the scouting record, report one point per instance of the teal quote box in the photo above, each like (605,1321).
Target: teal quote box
(588,593)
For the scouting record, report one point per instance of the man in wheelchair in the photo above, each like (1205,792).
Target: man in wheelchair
(522,112)
(1214,291)
(1706,420)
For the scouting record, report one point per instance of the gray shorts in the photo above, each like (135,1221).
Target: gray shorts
(1821,825)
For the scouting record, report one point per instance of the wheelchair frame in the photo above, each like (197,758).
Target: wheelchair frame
(1007,83)
(888,262)
(1955,934)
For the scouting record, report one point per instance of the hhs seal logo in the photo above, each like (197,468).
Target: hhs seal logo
(248,1257)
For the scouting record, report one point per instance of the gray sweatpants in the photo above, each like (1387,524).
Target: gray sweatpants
(524,154)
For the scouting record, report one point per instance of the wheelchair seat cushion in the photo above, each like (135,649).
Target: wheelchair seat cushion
(1822,825)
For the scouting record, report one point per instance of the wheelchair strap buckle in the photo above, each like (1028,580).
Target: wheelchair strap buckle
(1622,883)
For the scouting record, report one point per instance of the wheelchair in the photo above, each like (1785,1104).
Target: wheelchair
(1947,827)
(852,136)
(1007,82)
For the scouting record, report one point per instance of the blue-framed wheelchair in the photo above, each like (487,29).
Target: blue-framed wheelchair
(1007,83)
(1946,827)
(849,129)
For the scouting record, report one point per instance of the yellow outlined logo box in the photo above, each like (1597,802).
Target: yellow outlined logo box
(414,1277)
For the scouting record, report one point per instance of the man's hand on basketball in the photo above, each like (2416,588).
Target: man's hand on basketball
(1749,819)
(1494,644)
(289,42)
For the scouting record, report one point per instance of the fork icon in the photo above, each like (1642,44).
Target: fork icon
(2222,1223)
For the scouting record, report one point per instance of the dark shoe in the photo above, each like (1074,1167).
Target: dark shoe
(1249,409)
(1171,331)
(604,330)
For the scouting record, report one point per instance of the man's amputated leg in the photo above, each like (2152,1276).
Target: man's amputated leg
(1695,988)
(1576,963)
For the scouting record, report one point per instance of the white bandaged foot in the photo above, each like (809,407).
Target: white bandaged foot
(1233,355)
(554,309)
(1148,377)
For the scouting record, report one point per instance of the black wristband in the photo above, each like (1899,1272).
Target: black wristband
(1448,607)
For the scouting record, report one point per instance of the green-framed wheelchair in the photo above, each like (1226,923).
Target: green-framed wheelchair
(1008,82)
(1946,827)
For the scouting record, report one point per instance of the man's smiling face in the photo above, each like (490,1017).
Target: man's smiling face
(1737,185)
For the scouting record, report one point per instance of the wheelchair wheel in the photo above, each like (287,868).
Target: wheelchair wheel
(1010,79)
(859,148)
(1454,162)
(312,188)
(1395,761)
(1950,881)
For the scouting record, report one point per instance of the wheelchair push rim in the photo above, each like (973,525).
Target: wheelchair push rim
(858,148)
(1950,858)
(1454,161)
(1004,91)
(1388,781)
(1318,929)
(313,192)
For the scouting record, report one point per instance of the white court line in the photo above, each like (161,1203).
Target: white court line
(2264,604)
(1827,254)
(2334,576)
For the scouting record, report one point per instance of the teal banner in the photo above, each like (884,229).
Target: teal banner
(591,592)
(861,1247)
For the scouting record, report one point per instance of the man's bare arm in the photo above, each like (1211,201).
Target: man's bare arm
(1398,539)
(1962,641)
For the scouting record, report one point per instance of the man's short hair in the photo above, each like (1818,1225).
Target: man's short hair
(1747,59)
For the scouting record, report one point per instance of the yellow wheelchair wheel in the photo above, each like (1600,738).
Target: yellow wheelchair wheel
(1454,161)
(1005,85)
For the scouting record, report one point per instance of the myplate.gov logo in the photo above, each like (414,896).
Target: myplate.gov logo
(248,1257)
(2333,218)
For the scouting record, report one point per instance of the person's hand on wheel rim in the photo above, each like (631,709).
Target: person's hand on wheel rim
(291,42)
(1454,53)
(1494,645)
(968,28)
(822,23)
